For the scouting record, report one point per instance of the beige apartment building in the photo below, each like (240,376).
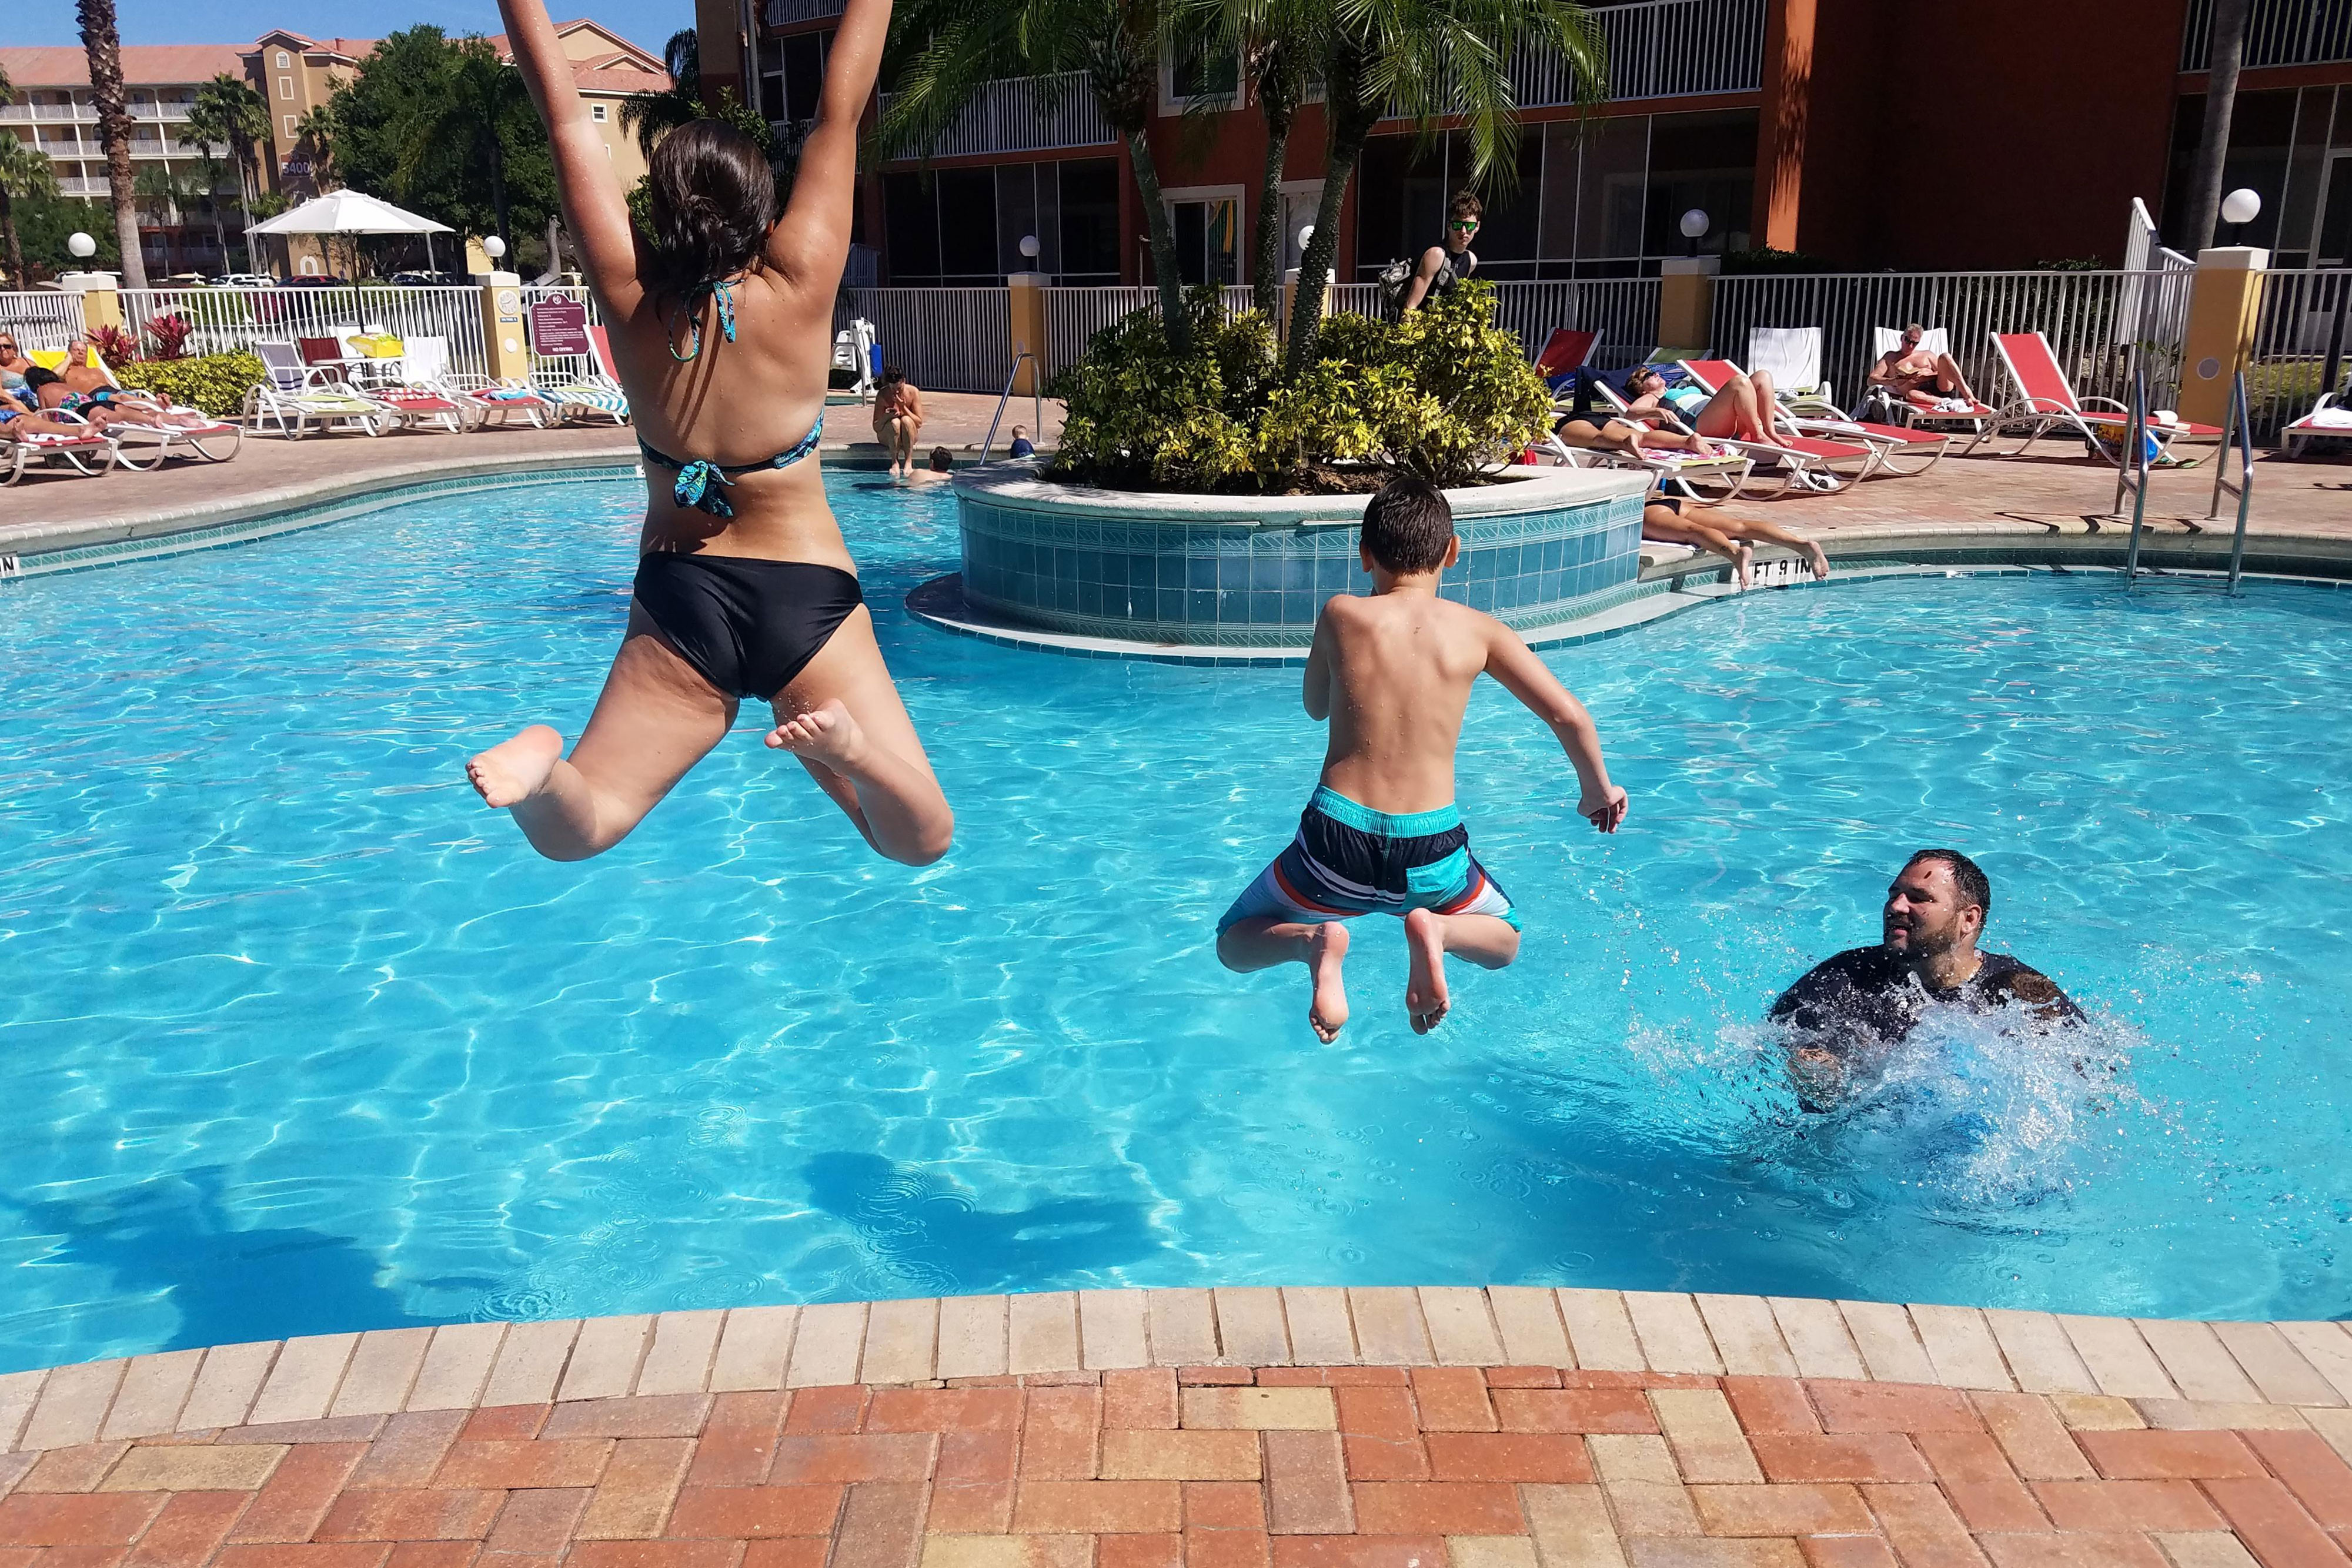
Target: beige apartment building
(295,74)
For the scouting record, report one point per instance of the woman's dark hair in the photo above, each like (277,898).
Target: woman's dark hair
(891,375)
(713,202)
(40,376)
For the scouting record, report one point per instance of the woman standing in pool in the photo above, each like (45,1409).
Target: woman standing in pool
(721,328)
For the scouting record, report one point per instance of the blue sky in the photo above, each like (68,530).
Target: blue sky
(643,22)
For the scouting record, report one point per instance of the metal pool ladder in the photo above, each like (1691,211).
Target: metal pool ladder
(1037,392)
(2243,487)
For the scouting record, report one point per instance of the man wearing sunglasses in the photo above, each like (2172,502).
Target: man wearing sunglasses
(1444,266)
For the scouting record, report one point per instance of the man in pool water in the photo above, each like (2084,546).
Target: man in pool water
(1392,672)
(1870,998)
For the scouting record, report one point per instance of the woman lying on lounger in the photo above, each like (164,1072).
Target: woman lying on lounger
(722,331)
(1646,426)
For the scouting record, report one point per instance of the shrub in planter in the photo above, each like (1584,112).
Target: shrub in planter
(1440,394)
(215,382)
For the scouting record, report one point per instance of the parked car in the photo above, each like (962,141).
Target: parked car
(181,280)
(426,280)
(314,281)
(244,280)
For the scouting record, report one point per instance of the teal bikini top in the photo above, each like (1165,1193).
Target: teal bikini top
(722,292)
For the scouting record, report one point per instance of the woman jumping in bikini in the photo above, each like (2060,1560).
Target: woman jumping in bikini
(723,330)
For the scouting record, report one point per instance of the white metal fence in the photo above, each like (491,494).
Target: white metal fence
(231,320)
(41,318)
(1657,48)
(948,340)
(2081,314)
(2278,33)
(1024,114)
(2305,319)
(1622,310)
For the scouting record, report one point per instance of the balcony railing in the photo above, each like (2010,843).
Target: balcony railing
(784,13)
(1659,48)
(2278,33)
(1025,114)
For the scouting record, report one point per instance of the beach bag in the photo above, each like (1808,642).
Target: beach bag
(1394,279)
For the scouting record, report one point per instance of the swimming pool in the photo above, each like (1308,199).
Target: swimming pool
(295,1038)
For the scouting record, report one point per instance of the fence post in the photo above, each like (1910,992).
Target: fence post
(1024,312)
(1686,301)
(100,307)
(2225,300)
(502,335)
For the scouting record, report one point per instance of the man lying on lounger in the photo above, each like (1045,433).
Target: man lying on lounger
(1867,1000)
(1921,377)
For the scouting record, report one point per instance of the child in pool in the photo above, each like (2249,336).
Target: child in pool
(1392,672)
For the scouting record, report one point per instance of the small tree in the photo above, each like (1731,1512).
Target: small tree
(478,94)
(24,170)
(966,44)
(652,115)
(230,115)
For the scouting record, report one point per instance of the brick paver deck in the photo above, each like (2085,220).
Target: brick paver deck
(1317,1428)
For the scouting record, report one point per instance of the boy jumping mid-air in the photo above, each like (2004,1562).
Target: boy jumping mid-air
(1392,672)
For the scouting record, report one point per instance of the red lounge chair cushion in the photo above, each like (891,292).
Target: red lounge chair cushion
(1903,433)
(53,438)
(1813,446)
(420,403)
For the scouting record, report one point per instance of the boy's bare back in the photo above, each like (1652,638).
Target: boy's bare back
(1397,670)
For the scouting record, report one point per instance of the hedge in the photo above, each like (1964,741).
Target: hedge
(215,382)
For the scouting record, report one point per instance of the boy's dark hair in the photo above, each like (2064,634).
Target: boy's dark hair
(942,460)
(1464,206)
(1969,877)
(1408,526)
(713,202)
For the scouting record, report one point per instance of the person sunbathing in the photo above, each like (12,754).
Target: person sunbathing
(1648,424)
(21,416)
(1663,521)
(1923,377)
(720,326)
(100,403)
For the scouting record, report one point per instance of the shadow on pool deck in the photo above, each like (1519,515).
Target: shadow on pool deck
(173,1238)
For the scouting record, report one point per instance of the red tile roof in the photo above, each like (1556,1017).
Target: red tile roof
(144,64)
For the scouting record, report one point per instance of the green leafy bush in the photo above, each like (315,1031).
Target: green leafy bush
(215,383)
(1441,395)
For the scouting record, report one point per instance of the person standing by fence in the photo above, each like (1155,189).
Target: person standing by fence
(1447,263)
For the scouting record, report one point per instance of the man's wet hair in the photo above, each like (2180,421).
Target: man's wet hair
(1408,526)
(1967,875)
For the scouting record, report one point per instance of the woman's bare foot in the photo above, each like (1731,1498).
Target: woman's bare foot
(514,770)
(1743,560)
(825,734)
(1326,950)
(1424,983)
(1821,561)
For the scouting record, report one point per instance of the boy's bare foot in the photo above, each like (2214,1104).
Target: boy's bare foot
(825,734)
(1424,984)
(514,770)
(1821,561)
(1328,949)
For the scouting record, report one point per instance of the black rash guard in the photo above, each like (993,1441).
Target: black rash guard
(1867,996)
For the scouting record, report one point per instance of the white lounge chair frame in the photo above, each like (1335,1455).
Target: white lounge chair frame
(293,397)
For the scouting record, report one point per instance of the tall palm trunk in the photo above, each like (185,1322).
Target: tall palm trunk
(1165,273)
(102,42)
(1350,119)
(1279,109)
(2228,48)
(499,183)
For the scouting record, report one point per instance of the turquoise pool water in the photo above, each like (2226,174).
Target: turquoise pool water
(295,1036)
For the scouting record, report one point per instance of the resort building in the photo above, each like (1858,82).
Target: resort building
(2001,134)
(297,73)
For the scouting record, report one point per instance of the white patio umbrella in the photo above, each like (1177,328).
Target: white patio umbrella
(351,213)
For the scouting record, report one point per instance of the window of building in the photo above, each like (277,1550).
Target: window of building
(286,87)
(285,60)
(964,227)
(1208,235)
(1190,72)
(596,112)
(792,76)
(290,128)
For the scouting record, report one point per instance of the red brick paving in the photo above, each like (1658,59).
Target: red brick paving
(1100,1470)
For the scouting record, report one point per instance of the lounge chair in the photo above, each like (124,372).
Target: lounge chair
(1901,451)
(594,395)
(2046,402)
(1564,353)
(1678,473)
(1808,461)
(88,455)
(180,432)
(1923,408)
(413,388)
(2329,420)
(855,350)
(293,397)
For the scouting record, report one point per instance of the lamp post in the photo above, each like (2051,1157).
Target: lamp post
(494,247)
(82,246)
(2239,208)
(1693,223)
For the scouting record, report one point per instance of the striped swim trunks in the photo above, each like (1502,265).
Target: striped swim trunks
(1350,859)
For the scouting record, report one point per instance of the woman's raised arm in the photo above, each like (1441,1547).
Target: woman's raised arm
(595,212)
(812,240)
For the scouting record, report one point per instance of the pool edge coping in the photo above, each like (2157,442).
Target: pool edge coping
(2178,1374)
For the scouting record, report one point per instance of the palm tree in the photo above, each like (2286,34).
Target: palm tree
(24,170)
(102,40)
(317,127)
(232,115)
(652,115)
(1276,42)
(1116,43)
(478,95)
(2225,52)
(1425,60)
(166,192)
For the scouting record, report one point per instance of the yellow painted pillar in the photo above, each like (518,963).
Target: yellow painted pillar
(2224,300)
(1026,308)
(101,307)
(502,328)
(1686,302)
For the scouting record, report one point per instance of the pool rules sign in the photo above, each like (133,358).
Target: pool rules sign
(558,327)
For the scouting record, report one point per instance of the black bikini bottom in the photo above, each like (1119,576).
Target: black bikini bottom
(748,626)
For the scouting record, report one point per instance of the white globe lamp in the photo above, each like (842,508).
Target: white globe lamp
(1693,223)
(2242,206)
(1305,235)
(1030,247)
(494,247)
(82,245)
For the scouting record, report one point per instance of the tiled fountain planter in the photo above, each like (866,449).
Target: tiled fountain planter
(1252,572)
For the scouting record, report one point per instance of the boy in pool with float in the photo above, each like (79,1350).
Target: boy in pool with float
(1392,672)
